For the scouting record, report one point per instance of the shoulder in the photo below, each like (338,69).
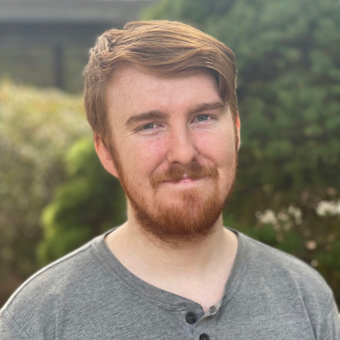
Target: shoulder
(274,260)
(38,299)
(289,275)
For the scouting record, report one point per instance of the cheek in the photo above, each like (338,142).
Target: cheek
(219,147)
(145,156)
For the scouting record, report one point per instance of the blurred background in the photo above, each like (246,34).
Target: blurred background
(54,194)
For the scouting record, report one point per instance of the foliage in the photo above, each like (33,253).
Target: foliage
(90,202)
(289,102)
(36,127)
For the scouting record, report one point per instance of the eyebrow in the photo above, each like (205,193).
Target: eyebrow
(157,114)
(209,106)
(153,114)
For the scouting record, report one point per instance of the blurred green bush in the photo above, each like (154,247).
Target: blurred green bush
(36,129)
(90,202)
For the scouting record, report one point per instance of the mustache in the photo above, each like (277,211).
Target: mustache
(177,172)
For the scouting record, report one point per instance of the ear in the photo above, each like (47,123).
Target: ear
(238,130)
(104,155)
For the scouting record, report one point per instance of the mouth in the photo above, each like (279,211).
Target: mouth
(184,180)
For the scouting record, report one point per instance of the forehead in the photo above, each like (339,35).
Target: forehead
(130,90)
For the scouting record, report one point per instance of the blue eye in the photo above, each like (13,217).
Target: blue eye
(201,118)
(148,126)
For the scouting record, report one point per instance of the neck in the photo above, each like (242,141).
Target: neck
(185,269)
(194,252)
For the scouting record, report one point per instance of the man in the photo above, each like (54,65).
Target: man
(161,99)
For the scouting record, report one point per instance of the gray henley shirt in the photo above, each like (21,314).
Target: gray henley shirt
(89,295)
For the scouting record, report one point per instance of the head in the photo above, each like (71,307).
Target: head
(178,176)
(156,47)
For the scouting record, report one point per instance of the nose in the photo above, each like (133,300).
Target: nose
(181,148)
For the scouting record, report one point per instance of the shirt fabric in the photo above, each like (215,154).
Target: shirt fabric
(89,295)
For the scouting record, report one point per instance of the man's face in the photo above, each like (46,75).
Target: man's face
(173,149)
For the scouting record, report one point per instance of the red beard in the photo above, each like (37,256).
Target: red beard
(177,224)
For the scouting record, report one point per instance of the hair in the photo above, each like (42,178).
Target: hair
(159,47)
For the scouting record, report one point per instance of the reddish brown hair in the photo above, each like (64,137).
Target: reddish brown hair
(162,47)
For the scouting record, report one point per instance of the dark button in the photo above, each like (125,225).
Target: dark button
(204,336)
(212,310)
(191,318)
